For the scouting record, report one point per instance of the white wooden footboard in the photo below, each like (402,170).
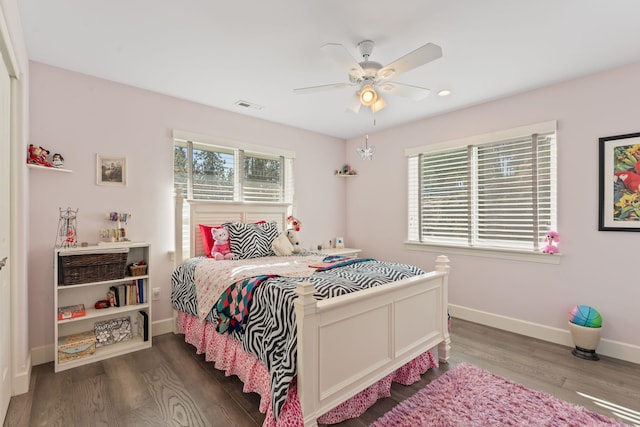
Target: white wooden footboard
(347,343)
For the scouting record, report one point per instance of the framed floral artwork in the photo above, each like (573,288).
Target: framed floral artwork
(619,201)
(111,170)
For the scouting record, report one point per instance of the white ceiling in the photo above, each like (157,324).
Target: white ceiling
(219,52)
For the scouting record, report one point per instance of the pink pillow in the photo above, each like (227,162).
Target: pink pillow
(207,237)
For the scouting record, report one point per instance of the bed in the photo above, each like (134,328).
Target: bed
(328,365)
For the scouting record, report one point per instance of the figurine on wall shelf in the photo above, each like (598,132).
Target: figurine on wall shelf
(57,160)
(38,156)
(346,170)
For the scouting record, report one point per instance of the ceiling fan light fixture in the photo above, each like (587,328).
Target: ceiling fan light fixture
(378,105)
(368,95)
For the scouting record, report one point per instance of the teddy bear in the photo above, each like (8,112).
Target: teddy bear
(286,243)
(552,238)
(221,247)
(292,235)
(281,246)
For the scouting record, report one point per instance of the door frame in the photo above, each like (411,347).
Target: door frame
(19,354)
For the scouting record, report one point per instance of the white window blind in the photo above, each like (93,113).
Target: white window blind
(498,193)
(213,172)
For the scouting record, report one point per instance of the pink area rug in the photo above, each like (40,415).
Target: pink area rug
(469,396)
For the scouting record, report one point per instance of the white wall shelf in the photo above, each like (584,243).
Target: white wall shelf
(32,166)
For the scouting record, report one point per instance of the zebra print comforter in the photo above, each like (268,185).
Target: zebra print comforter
(270,332)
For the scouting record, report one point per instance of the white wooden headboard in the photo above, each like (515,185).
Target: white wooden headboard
(215,213)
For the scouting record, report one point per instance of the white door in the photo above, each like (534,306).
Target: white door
(5,294)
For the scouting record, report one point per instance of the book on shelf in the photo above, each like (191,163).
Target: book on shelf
(130,295)
(116,296)
(143,325)
(122,295)
(141,291)
(71,311)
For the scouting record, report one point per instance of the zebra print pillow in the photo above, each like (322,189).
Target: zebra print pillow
(252,240)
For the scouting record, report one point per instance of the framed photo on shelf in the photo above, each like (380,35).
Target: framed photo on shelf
(111,170)
(619,198)
(339,243)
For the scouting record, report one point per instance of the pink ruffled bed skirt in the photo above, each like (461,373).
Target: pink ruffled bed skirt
(228,355)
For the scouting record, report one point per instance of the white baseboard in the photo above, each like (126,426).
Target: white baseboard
(41,355)
(610,348)
(21,380)
(161,327)
(45,354)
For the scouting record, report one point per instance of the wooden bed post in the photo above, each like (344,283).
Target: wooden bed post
(442,265)
(178,256)
(307,327)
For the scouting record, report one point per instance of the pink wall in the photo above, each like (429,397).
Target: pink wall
(597,268)
(80,116)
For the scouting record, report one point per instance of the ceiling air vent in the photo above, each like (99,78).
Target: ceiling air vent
(247,104)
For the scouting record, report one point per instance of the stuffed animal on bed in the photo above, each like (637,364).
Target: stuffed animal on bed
(282,245)
(292,235)
(221,247)
(287,243)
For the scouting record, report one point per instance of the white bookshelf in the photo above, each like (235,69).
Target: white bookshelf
(89,292)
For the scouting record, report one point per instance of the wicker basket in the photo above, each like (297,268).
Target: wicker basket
(137,270)
(94,267)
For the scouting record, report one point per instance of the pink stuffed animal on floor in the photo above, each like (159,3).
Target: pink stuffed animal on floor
(221,247)
(552,238)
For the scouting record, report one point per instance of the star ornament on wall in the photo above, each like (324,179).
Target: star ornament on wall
(367,152)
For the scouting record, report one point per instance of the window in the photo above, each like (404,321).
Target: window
(491,191)
(229,172)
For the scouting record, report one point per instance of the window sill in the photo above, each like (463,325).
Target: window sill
(510,254)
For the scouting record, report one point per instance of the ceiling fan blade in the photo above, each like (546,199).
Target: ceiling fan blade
(411,60)
(312,89)
(354,103)
(339,54)
(416,93)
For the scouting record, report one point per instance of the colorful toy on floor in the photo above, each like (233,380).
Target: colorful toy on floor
(583,315)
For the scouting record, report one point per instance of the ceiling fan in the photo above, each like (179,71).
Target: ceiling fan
(371,77)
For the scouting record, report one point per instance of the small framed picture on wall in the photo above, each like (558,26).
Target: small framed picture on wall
(111,170)
(339,243)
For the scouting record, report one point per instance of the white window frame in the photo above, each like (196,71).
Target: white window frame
(188,138)
(413,208)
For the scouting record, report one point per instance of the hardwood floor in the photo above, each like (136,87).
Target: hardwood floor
(169,385)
